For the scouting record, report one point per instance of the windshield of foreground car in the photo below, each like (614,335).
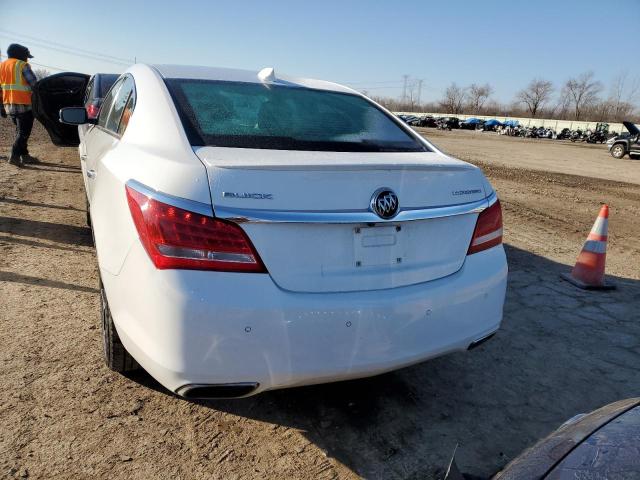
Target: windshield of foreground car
(253,115)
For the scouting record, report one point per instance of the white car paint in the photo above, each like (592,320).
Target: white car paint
(315,317)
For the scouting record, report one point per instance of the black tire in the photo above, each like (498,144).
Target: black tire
(618,150)
(115,355)
(88,212)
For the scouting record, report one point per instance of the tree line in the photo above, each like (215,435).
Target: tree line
(580,98)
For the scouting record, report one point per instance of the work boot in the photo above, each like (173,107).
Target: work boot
(26,158)
(15,160)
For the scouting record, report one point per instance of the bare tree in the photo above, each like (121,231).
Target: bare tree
(537,93)
(453,99)
(478,95)
(40,73)
(623,96)
(582,92)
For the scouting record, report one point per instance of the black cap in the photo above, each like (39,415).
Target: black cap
(15,50)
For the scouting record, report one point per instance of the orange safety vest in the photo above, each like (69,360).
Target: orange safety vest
(15,89)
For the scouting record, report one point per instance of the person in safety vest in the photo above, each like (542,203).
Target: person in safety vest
(16,80)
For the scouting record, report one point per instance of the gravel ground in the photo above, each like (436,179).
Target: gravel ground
(584,159)
(561,351)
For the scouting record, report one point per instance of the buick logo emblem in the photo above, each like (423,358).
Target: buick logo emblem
(384,203)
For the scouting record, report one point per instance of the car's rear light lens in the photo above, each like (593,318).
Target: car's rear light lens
(488,231)
(93,111)
(177,238)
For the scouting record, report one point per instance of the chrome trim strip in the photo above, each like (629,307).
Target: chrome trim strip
(185,204)
(245,215)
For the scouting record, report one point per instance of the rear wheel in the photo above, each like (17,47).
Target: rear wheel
(88,212)
(617,151)
(115,355)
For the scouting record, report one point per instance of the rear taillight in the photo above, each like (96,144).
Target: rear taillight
(177,238)
(488,231)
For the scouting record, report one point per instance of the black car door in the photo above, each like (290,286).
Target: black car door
(53,93)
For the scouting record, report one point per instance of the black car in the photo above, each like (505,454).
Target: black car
(428,121)
(622,145)
(69,89)
(449,123)
(603,444)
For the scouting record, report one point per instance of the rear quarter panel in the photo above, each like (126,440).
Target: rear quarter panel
(154,151)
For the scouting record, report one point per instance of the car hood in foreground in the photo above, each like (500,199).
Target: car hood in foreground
(581,436)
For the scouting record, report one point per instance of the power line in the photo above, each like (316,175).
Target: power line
(69,47)
(379,88)
(67,50)
(405,78)
(48,66)
(369,82)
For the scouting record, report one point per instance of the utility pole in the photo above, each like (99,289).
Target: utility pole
(419,91)
(405,78)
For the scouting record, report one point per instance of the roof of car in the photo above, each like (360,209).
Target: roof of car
(247,76)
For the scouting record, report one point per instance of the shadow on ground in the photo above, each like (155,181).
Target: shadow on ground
(43,282)
(560,351)
(27,203)
(55,232)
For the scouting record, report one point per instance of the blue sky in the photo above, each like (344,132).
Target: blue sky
(369,45)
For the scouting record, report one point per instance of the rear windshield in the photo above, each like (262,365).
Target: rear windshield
(252,115)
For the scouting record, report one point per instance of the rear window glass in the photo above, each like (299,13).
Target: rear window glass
(251,115)
(105,84)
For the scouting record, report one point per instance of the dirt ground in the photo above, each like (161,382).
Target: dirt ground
(584,159)
(560,351)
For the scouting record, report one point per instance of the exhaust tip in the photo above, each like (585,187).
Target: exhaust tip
(213,391)
(480,341)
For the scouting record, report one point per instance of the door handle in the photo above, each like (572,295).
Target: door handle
(83,157)
(91,174)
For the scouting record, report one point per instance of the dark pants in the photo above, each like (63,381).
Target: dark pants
(24,124)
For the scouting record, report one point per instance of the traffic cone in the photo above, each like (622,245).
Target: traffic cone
(588,272)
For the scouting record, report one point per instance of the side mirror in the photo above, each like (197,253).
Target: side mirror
(74,116)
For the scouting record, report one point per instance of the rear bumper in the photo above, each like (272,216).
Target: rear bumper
(191,327)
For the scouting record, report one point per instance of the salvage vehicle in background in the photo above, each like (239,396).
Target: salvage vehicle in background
(256,231)
(471,124)
(599,135)
(429,121)
(565,134)
(626,144)
(448,123)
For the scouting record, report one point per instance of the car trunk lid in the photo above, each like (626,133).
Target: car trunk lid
(310,219)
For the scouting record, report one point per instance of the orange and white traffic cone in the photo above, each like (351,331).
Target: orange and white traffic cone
(588,272)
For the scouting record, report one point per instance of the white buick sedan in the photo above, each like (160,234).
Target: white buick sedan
(257,231)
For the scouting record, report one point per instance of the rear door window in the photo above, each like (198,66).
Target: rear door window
(107,104)
(106,80)
(88,94)
(128,111)
(119,103)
